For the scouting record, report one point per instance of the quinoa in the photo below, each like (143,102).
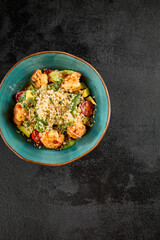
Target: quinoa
(53,108)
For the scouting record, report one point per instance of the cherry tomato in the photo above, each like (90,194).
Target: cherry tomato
(18,94)
(36,137)
(87,108)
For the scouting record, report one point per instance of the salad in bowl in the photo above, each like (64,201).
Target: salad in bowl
(54,109)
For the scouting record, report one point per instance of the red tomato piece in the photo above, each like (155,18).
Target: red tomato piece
(36,137)
(55,142)
(19,106)
(48,71)
(18,94)
(64,75)
(87,108)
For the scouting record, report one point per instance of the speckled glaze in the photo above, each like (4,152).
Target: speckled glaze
(17,78)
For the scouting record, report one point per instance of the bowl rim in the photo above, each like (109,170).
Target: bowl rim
(109,108)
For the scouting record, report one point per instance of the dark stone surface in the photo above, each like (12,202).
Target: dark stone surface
(114,192)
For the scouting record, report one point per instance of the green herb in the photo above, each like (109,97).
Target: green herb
(51,86)
(24,106)
(75,102)
(60,103)
(70,95)
(28,105)
(28,124)
(37,126)
(22,97)
(52,101)
(57,84)
(59,127)
(64,130)
(70,123)
(32,105)
(42,121)
(34,91)
(59,119)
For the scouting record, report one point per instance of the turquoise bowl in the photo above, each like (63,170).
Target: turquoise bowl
(17,78)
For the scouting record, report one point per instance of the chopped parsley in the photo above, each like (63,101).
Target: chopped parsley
(35,100)
(70,123)
(64,129)
(59,127)
(37,127)
(59,119)
(55,86)
(42,121)
(22,97)
(51,100)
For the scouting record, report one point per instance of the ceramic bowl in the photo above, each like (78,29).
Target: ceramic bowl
(17,78)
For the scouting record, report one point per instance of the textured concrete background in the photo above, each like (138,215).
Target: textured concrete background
(114,192)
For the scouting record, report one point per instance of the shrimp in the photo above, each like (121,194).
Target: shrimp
(39,79)
(19,114)
(71,82)
(77,130)
(52,139)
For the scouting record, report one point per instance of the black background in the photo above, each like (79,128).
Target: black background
(113,192)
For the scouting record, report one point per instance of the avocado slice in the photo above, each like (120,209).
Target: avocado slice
(83,85)
(54,76)
(69,144)
(29,95)
(24,130)
(86,92)
(85,120)
(68,72)
(30,87)
(91,100)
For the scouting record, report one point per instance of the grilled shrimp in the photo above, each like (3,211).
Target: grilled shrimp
(39,79)
(77,130)
(19,114)
(71,82)
(52,139)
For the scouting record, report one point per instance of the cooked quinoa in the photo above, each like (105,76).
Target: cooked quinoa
(53,108)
